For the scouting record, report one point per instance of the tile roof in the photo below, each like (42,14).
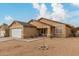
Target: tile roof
(56,22)
(23,24)
(40,22)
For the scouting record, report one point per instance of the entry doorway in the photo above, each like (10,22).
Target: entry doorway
(42,31)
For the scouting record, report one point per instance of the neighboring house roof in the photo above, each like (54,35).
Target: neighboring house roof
(77,28)
(4,26)
(31,20)
(56,22)
(22,23)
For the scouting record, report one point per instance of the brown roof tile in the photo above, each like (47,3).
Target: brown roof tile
(40,22)
(56,22)
(23,24)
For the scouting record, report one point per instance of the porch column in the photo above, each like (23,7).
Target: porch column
(49,32)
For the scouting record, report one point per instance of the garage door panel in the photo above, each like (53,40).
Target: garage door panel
(16,33)
(2,33)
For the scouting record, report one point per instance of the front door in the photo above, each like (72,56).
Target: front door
(42,31)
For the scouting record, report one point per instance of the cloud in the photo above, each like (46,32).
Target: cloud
(36,6)
(42,9)
(75,4)
(58,11)
(8,19)
(73,19)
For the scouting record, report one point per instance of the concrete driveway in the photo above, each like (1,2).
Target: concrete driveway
(31,39)
(27,39)
(5,39)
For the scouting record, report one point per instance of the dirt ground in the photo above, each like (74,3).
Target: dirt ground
(56,47)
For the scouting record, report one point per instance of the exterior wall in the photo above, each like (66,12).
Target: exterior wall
(52,32)
(60,31)
(6,30)
(7,33)
(68,32)
(77,33)
(29,32)
(49,32)
(57,26)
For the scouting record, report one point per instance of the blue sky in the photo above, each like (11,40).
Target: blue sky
(27,11)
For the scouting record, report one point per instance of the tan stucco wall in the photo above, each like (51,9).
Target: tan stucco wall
(57,25)
(68,32)
(49,32)
(30,32)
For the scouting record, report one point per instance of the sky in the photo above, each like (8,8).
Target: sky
(62,12)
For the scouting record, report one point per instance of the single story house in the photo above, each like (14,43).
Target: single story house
(4,30)
(44,29)
(52,28)
(20,29)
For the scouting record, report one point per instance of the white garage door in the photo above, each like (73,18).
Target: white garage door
(16,33)
(2,33)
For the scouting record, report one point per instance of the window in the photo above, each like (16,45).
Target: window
(58,31)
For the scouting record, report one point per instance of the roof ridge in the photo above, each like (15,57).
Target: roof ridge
(54,21)
(19,21)
(50,20)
